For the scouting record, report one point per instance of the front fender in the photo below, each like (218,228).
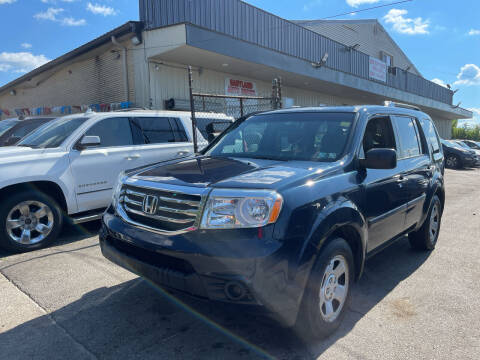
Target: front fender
(337,214)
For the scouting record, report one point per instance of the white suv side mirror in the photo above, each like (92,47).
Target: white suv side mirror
(89,141)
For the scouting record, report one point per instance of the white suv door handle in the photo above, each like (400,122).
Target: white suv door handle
(183,153)
(132,157)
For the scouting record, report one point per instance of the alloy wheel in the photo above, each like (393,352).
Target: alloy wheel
(452,162)
(29,222)
(334,288)
(434,223)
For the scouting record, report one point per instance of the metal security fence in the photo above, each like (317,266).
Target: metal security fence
(213,113)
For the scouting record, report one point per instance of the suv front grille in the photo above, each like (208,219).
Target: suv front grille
(168,210)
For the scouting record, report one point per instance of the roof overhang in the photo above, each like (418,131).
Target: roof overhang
(211,50)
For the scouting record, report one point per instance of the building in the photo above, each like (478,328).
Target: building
(320,63)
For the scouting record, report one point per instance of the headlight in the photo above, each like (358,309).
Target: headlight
(117,189)
(229,209)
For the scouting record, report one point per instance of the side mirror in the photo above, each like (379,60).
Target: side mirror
(380,159)
(89,141)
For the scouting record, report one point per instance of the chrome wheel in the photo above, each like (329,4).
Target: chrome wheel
(30,222)
(452,161)
(434,223)
(334,288)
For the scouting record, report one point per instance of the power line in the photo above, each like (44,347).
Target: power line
(370,8)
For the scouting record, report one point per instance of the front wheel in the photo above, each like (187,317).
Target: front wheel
(328,291)
(453,162)
(426,237)
(29,221)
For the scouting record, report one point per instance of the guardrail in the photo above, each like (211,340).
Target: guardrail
(249,23)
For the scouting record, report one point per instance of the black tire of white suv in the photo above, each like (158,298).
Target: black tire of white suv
(29,221)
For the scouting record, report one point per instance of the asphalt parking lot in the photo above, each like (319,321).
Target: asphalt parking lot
(69,302)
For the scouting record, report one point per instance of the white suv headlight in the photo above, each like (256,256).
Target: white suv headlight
(229,209)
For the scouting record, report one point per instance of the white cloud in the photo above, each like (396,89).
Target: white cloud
(21,62)
(7,2)
(98,9)
(406,25)
(56,1)
(469,75)
(474,32)
(26,45)
(470,123)
(52,15)
(439,82)
(70,21)
(357,3)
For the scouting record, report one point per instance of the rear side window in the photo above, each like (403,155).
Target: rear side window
(156,130)
(408,137)
(112,132)
(431,134)
(178,130)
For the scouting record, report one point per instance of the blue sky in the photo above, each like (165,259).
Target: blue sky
(441,37)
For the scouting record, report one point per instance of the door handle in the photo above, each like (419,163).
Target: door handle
(136,156)
(183,153)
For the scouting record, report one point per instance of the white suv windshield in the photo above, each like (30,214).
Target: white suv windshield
(6,125)
(53,134)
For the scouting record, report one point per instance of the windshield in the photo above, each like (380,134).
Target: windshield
(53,134)
(6,125)
(287,136)
(463,145)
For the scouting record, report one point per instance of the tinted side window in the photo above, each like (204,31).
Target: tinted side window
(178,130)
(156,130)
(431,134)
(408,136)
(378,135)
(112,132)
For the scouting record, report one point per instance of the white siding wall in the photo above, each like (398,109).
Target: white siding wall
(96,77)
(171,81)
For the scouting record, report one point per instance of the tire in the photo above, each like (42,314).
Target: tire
(314,322)
(29,221)
(426,237)
(453,162)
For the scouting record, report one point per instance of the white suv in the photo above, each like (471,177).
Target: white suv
(70,166)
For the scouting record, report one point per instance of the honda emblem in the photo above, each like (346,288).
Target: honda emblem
(150,204)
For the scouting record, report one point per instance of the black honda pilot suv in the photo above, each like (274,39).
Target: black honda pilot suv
(281,211)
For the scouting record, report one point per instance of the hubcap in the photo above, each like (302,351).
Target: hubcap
(30,222)
(452,161)
(334,288)
(434,223)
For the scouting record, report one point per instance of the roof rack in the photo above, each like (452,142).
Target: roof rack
(401,105)
(131,109)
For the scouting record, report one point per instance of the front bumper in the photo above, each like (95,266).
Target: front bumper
(243,270)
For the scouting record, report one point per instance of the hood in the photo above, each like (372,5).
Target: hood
(232,172)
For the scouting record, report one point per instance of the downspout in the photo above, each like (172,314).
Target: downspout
(125,67)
